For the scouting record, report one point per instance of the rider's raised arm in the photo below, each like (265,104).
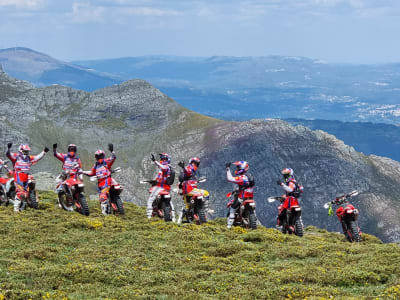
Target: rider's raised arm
(11,156)
(161,166)
(288,188)
(59,156)
(111,160)
(240,180)
(36,158)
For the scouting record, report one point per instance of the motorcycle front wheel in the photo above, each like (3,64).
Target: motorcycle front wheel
(167,211)
(3,196)
(298,225)
(355,234)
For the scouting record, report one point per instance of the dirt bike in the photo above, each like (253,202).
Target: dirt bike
(162,204)
(245,214)
(347,215)
(72,193)
(114,202)
(7,186)
(30,196)
(196,212)
(290,218)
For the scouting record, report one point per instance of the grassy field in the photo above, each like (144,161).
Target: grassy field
(52,254)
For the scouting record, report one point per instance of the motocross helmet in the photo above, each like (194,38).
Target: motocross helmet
(99,155)
(195,161)
(288,174)
(241,167)
(165,158)
(24,149)
(71,149)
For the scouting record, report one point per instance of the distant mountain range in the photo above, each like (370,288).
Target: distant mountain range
(242,88)
(234,88)
(140,120)
(43,70)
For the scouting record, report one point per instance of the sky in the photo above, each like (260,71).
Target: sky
(336,31)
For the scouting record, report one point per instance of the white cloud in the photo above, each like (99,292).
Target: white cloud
(22,3)
(86,13)
(148,11)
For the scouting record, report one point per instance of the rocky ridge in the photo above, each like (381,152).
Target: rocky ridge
(140,120)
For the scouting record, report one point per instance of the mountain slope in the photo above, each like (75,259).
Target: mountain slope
(76,257)
(369,138)
(140,120)
(42,70)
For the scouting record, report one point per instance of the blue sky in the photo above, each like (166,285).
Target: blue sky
(347,31)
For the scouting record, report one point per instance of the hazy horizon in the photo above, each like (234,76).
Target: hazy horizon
(335,31)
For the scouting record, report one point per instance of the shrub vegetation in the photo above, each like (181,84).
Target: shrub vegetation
(52,254)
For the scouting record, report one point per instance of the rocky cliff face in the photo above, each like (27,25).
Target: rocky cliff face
(140,120)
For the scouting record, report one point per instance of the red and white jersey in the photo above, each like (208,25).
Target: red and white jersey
(163,174)
(23,163)
(68,161)
(102,170)
(246,191)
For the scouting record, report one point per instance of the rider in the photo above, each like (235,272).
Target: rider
(188,183)
(22,163)
(71,165)
(245,184)
(163,173)
(292,190)
(102,170)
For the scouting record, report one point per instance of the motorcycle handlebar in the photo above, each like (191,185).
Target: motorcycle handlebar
(143,181)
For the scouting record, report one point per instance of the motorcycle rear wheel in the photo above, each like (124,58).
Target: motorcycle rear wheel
(202,216)
(120,205)
(84,210)
(32,199)
(252,220)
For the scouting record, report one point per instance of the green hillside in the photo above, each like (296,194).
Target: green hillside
(52,254)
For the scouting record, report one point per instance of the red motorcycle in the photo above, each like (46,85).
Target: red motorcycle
(347,215)
(7,187)
(72,194)
(289,218)
(30,196)
(196,212)
(245,214)
(162,204)
(114,202)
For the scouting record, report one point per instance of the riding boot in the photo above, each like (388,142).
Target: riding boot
(180,217)
(230,222)
(104,209)
(17,203)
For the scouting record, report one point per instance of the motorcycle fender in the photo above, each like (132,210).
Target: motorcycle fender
(297,213)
